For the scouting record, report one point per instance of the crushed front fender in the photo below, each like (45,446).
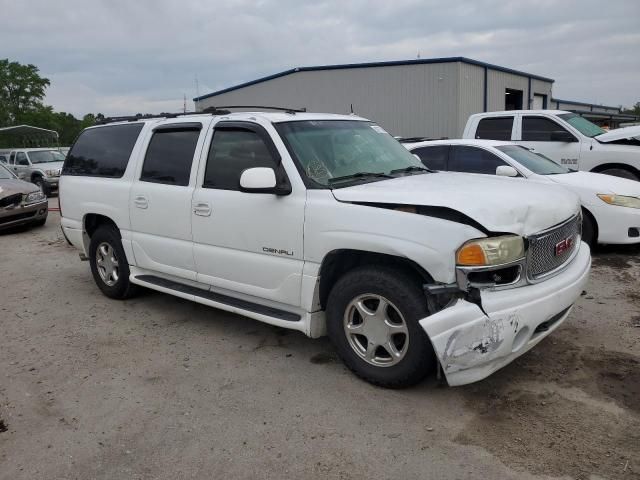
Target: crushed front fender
(471,343)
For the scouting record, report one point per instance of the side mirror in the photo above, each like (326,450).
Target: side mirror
(262,180)
(506,171)
(562,136)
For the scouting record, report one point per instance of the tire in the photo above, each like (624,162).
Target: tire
(589,229)
(41,184)
(372,285)
(620,172)
(109,264)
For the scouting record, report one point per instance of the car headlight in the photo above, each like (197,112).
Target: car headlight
(52,173)
(34,197)
(620,200)
(491,251)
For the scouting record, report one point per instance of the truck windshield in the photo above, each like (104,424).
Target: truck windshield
(535,162)
(46,156)
(342,152)
(581,124)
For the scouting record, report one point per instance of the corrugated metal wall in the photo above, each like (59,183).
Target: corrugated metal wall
(407,100)
(433,100)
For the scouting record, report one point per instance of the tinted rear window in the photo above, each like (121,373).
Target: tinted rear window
(102,152)
(169,157)
(498,128)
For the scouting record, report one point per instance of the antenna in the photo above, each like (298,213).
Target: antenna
(184,104)
(418,56)
(197,87)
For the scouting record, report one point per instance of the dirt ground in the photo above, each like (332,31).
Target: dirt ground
(160,388)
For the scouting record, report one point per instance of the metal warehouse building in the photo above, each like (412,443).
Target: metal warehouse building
(423,97)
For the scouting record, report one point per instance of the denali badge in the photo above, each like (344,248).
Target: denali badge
(564,246)
(277,251)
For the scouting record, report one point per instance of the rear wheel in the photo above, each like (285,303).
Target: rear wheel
(109,264)
(372,320)
(620,172)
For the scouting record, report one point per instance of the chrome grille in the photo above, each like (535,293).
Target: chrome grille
(544,256)
(11,200)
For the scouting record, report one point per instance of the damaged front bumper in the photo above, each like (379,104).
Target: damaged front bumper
(472,344)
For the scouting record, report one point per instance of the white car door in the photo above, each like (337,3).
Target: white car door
(245,242)
(160,198)
(544,135)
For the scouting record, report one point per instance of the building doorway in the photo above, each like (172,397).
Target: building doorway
(512,99)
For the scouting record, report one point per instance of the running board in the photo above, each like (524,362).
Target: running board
(220,298)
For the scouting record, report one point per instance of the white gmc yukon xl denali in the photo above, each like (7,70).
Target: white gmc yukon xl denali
(325,224)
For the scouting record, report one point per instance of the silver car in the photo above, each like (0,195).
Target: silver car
(21,203)
(40,166)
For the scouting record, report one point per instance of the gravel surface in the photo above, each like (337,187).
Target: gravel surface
(160,388)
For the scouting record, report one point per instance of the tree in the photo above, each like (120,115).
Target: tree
(635,110)
(22,90)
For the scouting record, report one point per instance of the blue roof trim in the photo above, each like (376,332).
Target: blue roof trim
(583,104)
(420,61)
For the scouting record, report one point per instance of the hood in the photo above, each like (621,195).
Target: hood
(507,205)
(598,183)
(620,134)
(13,186)
(48,165)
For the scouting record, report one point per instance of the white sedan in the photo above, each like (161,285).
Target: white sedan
(610,205)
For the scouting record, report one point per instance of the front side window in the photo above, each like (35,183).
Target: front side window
(581,124)
(535,162)
(473,160)
(46,156)
(434,157)
(21,159)
(170,155)
(334,153)
(540,129)
(102,151)
(498,128)
(12,157)
(232,151)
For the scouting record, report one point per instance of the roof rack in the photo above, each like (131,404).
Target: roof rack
(220,110)
(420,139)
(260,107)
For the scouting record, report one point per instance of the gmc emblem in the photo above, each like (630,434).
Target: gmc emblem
(564,246)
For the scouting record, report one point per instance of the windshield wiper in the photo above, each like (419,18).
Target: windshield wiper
(357,175)
(412,168)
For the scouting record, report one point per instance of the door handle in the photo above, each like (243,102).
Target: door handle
(202,209)
(140,201)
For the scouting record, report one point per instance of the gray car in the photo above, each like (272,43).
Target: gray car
(40,166)
(21,203)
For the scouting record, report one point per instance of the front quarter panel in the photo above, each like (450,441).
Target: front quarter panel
(430,242)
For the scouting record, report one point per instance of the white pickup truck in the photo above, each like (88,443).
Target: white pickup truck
(325,224)
(565,138)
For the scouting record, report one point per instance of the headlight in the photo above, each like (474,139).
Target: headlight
(620,200)
(34,197)
(52,173)
(491,251)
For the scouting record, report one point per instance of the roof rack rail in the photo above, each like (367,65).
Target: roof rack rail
(419,139)
(261,107)
(213,110)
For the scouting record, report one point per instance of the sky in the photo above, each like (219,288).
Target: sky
(124,57)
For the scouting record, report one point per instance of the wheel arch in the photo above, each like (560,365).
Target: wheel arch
(596,231)
(338,262)
(90,223)
(622,166)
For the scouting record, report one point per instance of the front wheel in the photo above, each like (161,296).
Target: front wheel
(372,320)
(40,183)
(109,264)
(588,229)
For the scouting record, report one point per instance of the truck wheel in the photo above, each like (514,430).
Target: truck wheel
(109,264)
(588,229)
(372,320)
(620,172)
(40,183)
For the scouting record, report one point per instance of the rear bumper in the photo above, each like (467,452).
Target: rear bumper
(23,215)
(614,223)
(471,345)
